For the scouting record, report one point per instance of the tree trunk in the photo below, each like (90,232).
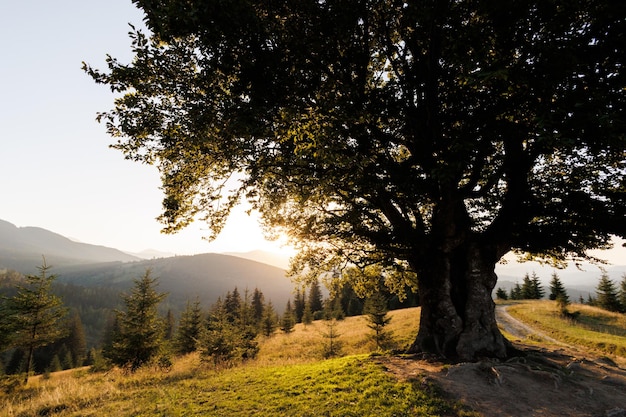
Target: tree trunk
(458,313)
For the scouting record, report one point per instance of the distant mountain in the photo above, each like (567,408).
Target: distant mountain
(22,248)
(207,276)
(270,258)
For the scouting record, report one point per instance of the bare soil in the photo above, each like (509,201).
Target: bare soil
(551,380)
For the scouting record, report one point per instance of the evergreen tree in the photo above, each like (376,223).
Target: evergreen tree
(527,288)
(298,304)
(332,346)
(315,298)
(170,326)
(258,305)
(288,320)
(34,316)
(607,294)
(269,321)
(75,340)
(189,328)
(516,292)
(307,315)
(376,310)
(232,304)
(557,289)
(140,329)
(537,291)
(501,294)
(622,293)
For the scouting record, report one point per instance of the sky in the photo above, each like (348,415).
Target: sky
(56,170)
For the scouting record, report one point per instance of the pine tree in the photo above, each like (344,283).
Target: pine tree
(170,326)
(298,304)
(607,294)
(557,289)
(189,328)
(537,291)
(501,294)
(269,321)
(288,320)
(376,310)
(75,340)
(622,293)
(34,316)
(232,304)
(140,332)
(527,288)
(315,298)
(258,305)
(516,292)
(307,315)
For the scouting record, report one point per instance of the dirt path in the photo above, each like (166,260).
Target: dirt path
(518,329)
(550,381)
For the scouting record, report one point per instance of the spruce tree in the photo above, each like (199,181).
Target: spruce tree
(307,315)
(298,304)
(622,293)
(189,328)
(140,330)
(516,292)
(269,321)
(34,316)
(258,305)
(288,320)
(75,340)
(315,298)
(607,294)
(376,310)
(537,291)
(556,288)
(501,294)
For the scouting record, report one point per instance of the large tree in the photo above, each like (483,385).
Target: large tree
(430,137)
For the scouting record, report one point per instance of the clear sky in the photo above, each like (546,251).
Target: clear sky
(56,170)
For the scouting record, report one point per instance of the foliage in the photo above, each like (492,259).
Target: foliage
(332,346)
(138,336)
(606,293)
(557,289)
(33,317)
(501,294)
(428,138)
(189,328)
(269,321)
(288,321)
(622,293)
(378,319)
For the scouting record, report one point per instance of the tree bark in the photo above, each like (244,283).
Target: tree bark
(457,310)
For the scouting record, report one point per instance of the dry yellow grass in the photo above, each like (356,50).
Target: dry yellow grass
(306,343)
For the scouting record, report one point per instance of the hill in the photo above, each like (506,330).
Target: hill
(206,276)
(21,249)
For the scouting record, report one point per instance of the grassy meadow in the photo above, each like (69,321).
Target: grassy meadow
(290,376)
(585,326)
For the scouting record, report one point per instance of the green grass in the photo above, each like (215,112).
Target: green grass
(586,326)
(349,386)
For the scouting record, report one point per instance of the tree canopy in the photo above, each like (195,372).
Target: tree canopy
(427,137)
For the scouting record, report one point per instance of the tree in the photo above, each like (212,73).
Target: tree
(139,332)
(501,294)
(33,317)
(189,328)
(430,138)
(270,320)
(258,305)
(622,293)
(298,304)
(537,290)
(516,292)
(557,289)
(288,320)
(376,310)
(316,303)
(607,294)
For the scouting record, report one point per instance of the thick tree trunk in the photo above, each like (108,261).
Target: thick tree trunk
(458,313)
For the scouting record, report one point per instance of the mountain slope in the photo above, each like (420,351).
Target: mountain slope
(207,276)
(22,248)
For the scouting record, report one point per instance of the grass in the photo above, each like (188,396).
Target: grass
(586,326)
(288,378)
